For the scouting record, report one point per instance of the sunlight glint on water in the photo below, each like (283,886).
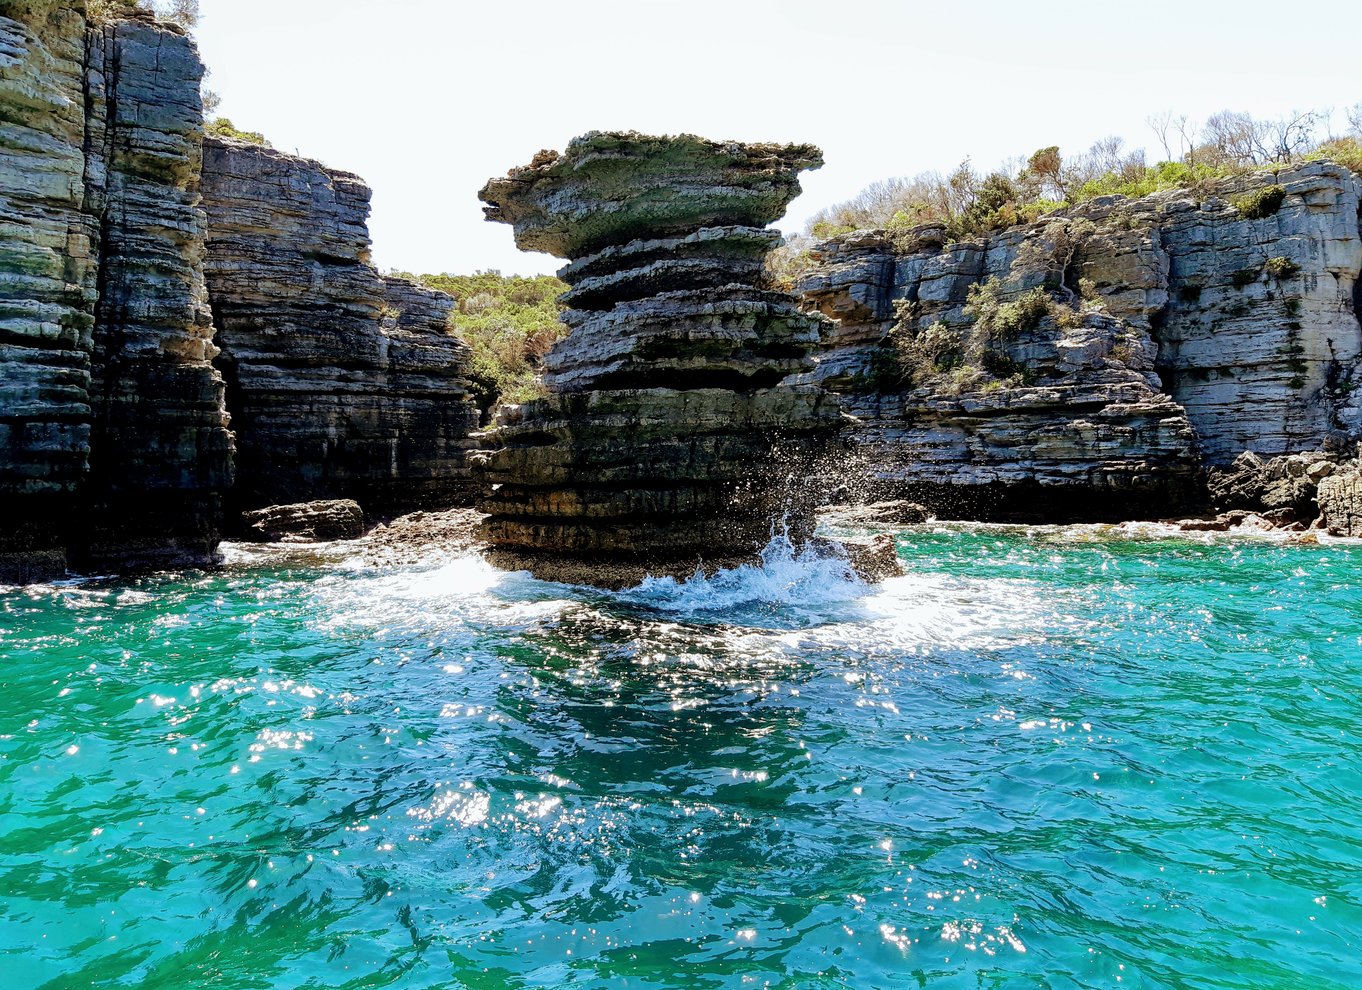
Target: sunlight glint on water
(1038,759)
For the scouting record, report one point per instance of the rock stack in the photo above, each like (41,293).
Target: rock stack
(666,437)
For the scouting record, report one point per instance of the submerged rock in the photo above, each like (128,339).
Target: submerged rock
(667,436)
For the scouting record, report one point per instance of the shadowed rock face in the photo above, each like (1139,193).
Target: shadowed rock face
(342,384)
(113,439)
(667,434)
(161,451)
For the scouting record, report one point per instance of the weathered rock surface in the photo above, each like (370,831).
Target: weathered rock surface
(667,432)
(1082,431)
(113,440)
(1285,484)
(1340,502)
(336,519)
(161,452)
(342,384)
(48,275)
(1216,332)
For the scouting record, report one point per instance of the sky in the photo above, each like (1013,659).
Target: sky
(427,99)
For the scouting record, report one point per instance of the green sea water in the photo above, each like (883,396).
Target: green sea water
(1042,759)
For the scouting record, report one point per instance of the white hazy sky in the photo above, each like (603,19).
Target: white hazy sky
(427,99)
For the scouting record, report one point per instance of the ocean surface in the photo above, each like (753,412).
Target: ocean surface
(1045,758)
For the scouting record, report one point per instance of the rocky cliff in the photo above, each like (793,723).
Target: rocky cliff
(113,440)
(116,448)
(161,453)
(1183,329)
(666,432)
(342,384)
(48,274)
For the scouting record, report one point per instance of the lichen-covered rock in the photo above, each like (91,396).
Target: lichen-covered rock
(667,434)
(1340,502)
(161,451)
(341,383)
(335,519)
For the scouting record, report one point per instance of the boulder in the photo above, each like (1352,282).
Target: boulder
(1340,502)
(334,519)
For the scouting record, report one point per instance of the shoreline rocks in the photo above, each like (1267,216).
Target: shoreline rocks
(337,519)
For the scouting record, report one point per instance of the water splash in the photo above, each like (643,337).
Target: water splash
(801,579)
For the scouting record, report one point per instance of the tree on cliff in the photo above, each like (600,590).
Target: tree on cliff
(185,13)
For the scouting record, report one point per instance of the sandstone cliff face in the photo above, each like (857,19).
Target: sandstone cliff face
(341,384)
(161,450)
(1216,333)
(113,440)
(48,272)
(666,432)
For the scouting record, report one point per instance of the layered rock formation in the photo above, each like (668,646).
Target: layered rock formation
(113,440)
(1209,329)
(666,434)
(161,451)
(342,384)
(48,274)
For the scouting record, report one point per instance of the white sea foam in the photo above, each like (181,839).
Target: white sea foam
(798,578)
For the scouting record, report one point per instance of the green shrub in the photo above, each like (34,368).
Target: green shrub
(510,322)
(928,353)
(1347,151)
(222,127)
(1260,203)
(1281,269)
(997,320)
(1245,277)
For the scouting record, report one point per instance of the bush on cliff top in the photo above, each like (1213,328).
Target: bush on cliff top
(185,13)
(971,204)
(510,322)
(222,127)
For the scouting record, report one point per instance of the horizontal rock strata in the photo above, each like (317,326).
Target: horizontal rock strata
(48,275)
(1209,330)
(161,450)
(342,384)
(1077,429)
(113,439)
(667,434)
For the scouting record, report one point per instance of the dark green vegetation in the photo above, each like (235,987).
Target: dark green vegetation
(510,322)
(969,204)
(1261,203)
(222,127)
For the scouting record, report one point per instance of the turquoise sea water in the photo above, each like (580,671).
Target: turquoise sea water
(1042,759)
